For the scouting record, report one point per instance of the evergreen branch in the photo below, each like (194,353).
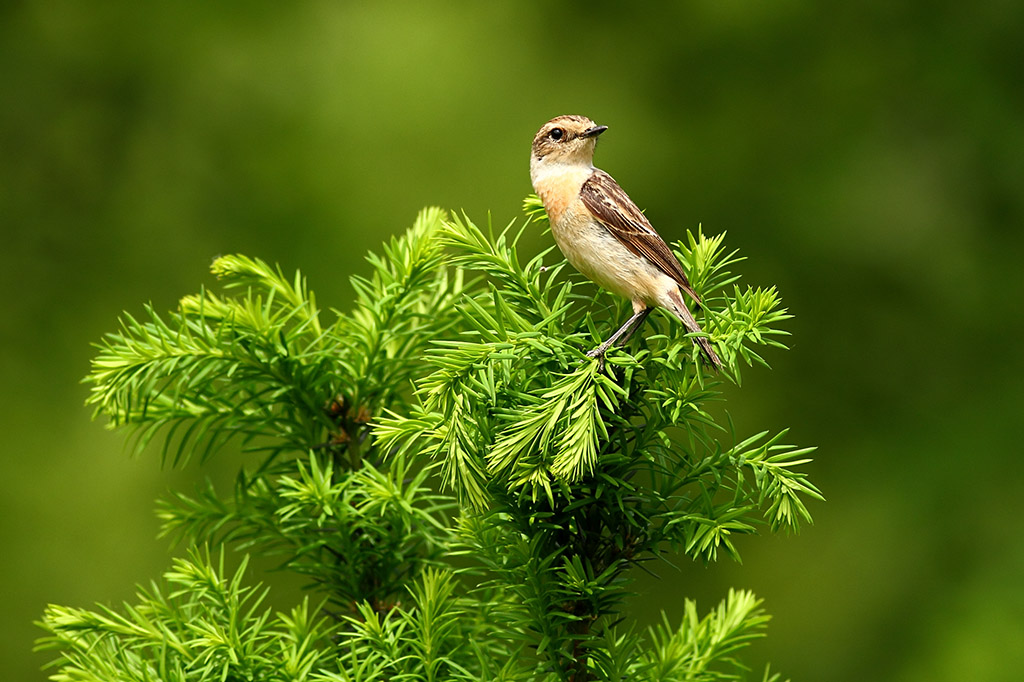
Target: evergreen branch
(779,486)
(706,262)
(355,535)
(618,657)
(218,369)
(564,427)
(458,368)
(749,318)
(424,641)
(705,533)
(497,256)
(701,646)
(237,271)
(435,624)
(533,209)
(200,624)
(406,304)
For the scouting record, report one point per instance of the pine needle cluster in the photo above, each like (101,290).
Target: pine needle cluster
(463,490)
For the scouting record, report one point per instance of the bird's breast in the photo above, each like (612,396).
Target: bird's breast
(557,195)
(589,245)
(558,186)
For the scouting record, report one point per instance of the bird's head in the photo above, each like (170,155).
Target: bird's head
(566,140)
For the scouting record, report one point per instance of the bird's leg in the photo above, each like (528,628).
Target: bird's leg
(639,316)
(623,334)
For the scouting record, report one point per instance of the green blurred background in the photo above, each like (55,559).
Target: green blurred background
(867,157)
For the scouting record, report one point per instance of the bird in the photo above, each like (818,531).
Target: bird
(603,234)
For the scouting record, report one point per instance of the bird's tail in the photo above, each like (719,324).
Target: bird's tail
(683,313)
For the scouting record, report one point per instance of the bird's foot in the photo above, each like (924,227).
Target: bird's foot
(599,354)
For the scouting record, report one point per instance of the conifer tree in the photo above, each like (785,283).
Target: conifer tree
(463,490)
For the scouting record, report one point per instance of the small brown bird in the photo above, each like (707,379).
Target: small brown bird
(602,232)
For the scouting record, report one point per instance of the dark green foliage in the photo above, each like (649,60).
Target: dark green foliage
(199,624)
(464,489)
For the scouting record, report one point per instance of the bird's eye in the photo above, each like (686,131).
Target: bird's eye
(556,134)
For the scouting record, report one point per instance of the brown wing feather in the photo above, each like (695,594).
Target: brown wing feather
(617,212)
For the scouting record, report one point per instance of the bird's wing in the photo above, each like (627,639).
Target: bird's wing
(616,211)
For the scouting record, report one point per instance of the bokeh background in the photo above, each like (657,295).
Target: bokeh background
(867,157)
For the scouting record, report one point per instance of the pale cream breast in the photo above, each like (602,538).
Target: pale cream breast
(558,185)
(602,258)
(587,244)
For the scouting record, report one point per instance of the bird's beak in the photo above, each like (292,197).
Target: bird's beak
(593,132)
